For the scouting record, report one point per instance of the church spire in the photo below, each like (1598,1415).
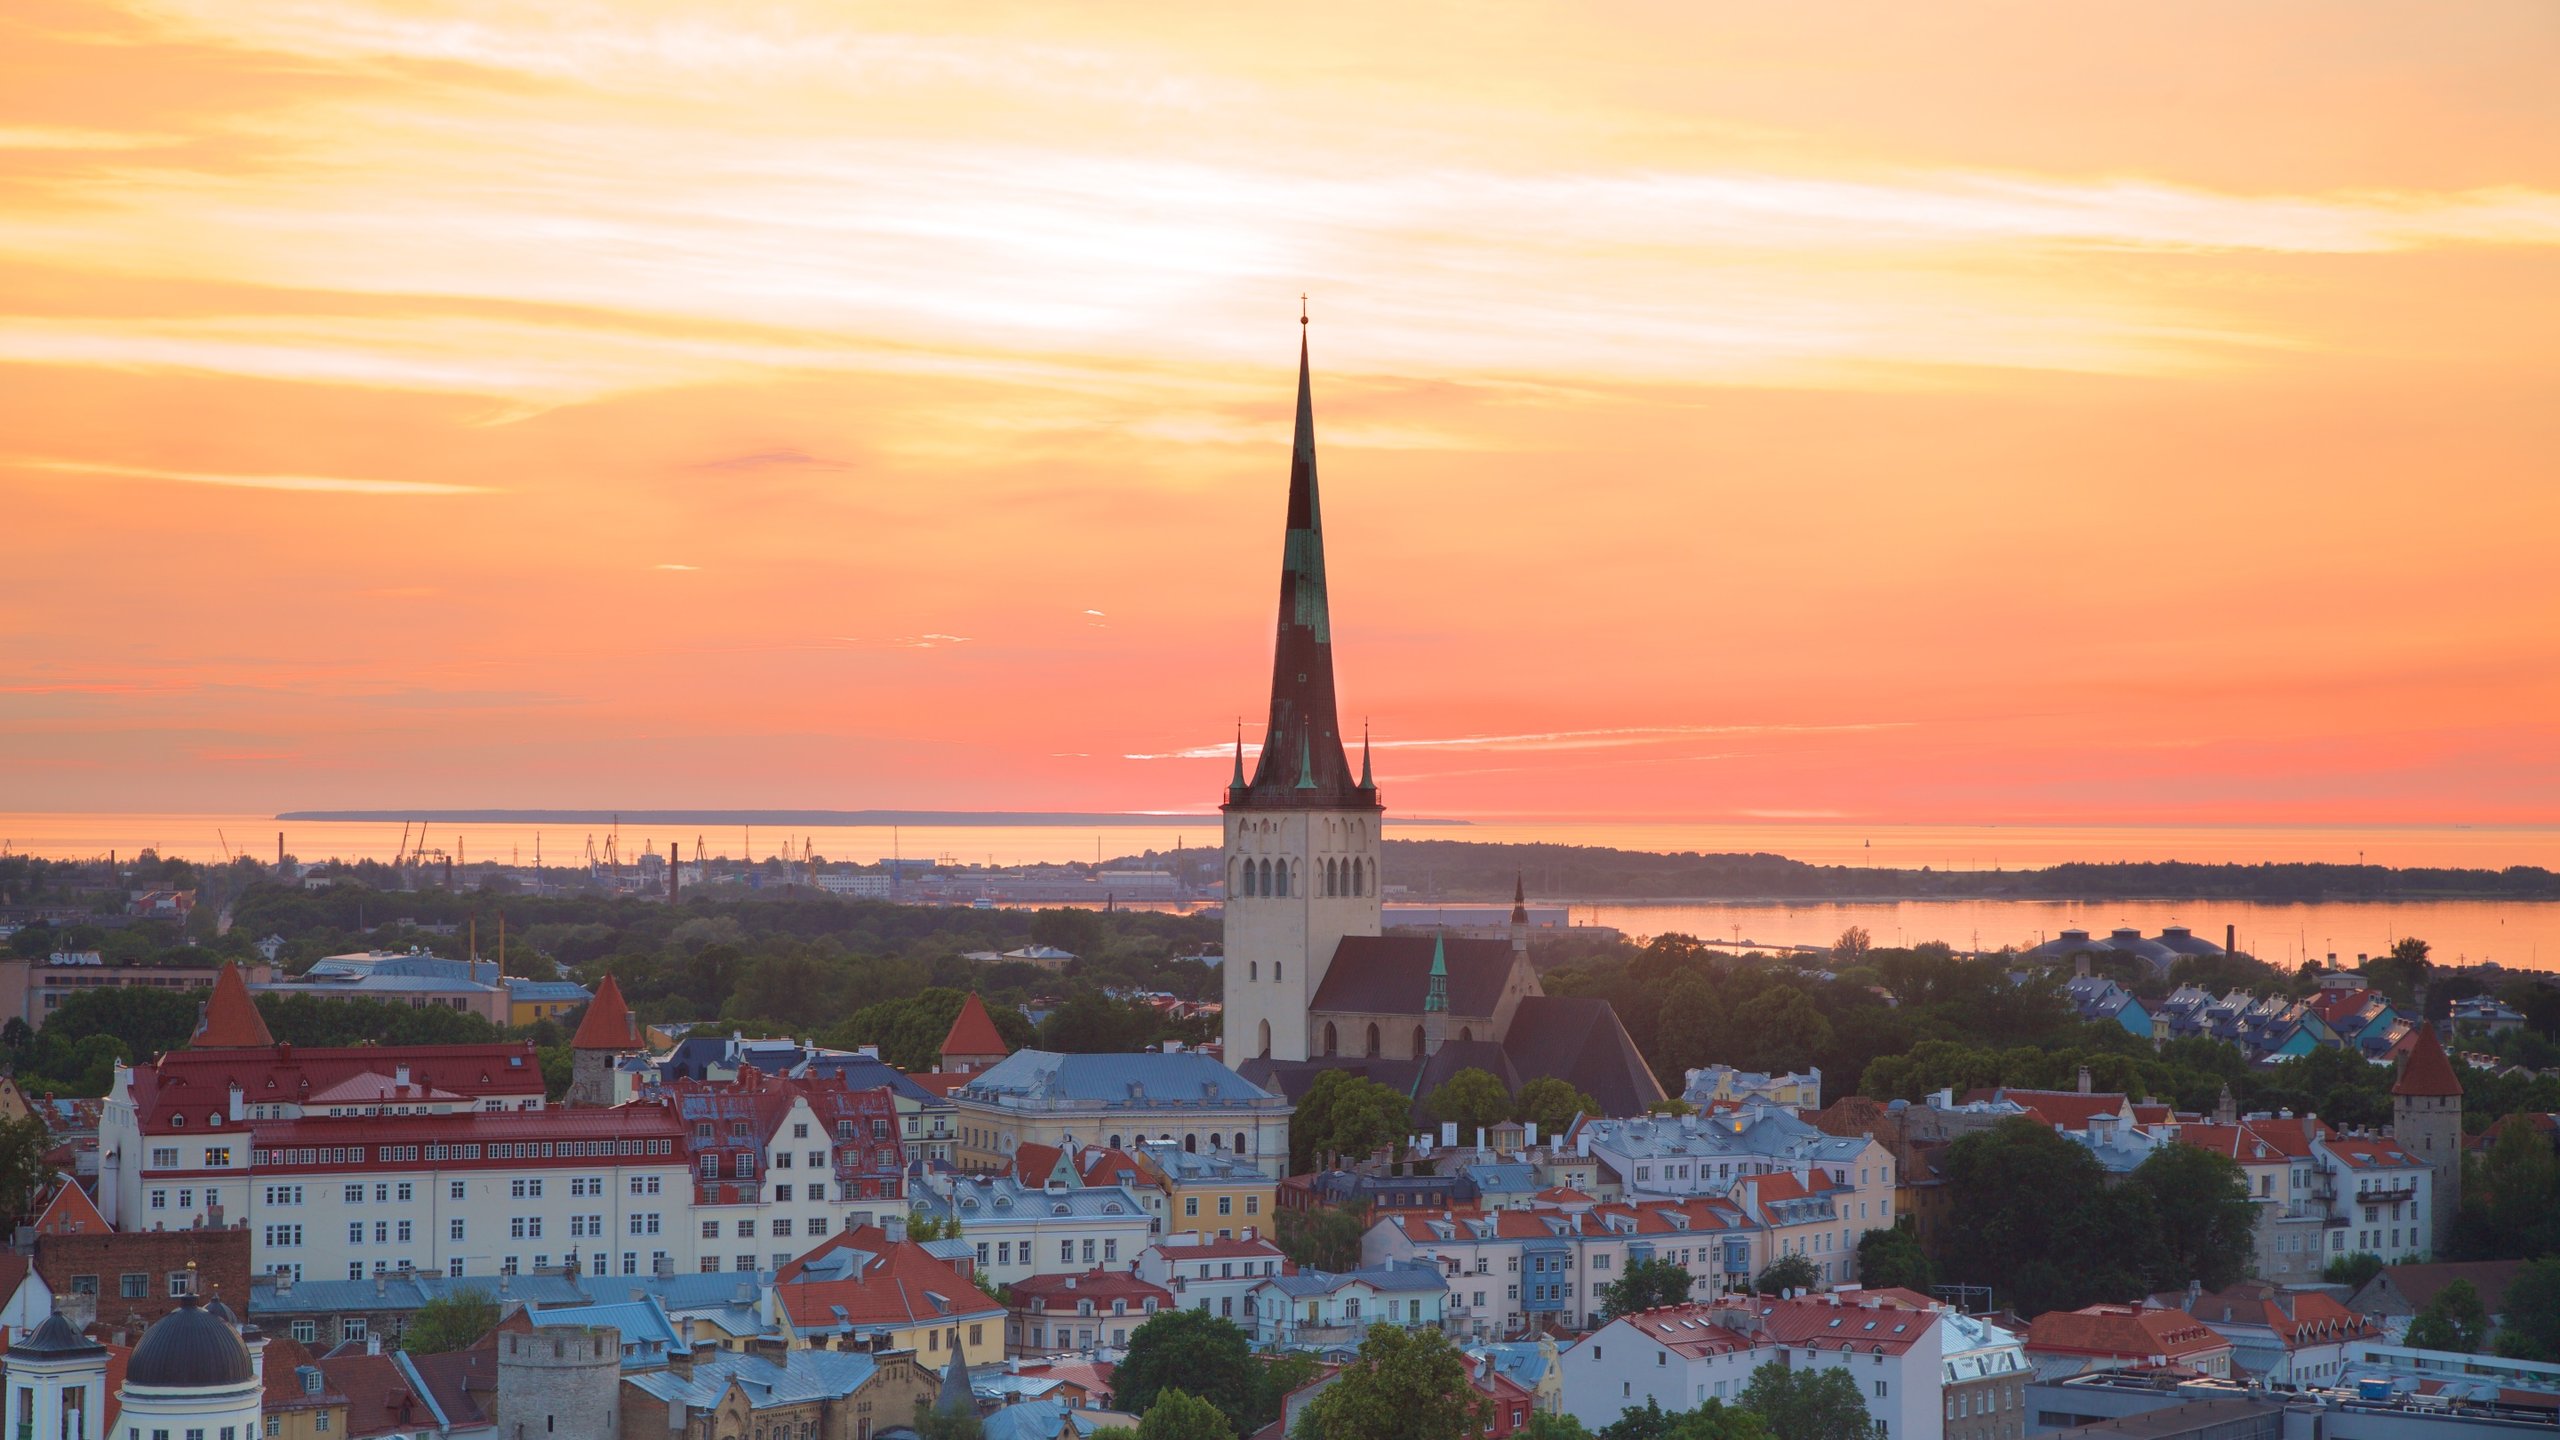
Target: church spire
(1436,999)
(1302,762)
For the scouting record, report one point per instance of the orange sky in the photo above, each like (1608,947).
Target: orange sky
(1962,411)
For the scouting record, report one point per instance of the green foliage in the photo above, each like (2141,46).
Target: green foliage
(1404,1385)
(1893,1257)
(1280,1375)
(2455,1319)
(2204,1223)
(922,1227)
(1710,1421)
(1326,1237)
(450,1322)
(933,1424)
(24,1143)
(1344,1114)
(1179,1415)
(2510,1198)
(1787,1272)
(1780,1031)
(1551,1104)
(1643,1285)
(1557,1426)
(2529,1325)
(1471,1099)
(314,1020)
(1807,1404)
(1192,1351)
(2352,1271)
(2032,1216)
(910,1030)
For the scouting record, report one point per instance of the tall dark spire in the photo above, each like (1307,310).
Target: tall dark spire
(1302,765)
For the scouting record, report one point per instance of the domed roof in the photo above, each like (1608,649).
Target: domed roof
(55,1339)
(189,1349)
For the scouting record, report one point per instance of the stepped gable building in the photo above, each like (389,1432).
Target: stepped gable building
(1310,981)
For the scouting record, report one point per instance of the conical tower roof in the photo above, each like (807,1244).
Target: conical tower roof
(957,1398)
(1303,765)
(2428,1072)
(231,1020)
(608,1024)
(973,1031)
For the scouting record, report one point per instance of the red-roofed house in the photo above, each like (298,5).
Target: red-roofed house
(2303,1335)
(1680,1353)
(1055,1313)
(2127,1337)
(881,1294)
(778,1162)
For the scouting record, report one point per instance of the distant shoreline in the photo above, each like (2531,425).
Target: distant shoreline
(772,817)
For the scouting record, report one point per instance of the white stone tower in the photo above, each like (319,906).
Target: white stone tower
(1302,833)
(57,1383)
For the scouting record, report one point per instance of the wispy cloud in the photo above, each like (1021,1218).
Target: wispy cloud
(670,565)
(314,484)
(1615,738)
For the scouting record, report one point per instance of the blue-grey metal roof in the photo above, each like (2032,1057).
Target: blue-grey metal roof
(794,1378)
(1028,1420)
(409,1292)
(1001,1199)
(529,991)
(1407,1279)
(1502,1177)
(1046,1078)
(648,1337)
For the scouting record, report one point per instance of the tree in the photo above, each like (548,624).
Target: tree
(1852,945)
(936,1424)
(2529,1327)
(2455,1319)
(1551,1105)
(1280,1375)
(1643,1285)
(1180,1415)
(1557,1426)
(450,1322)
(922,1227)
(1710,1421)
(24,1143)
(1808,1404)
(2352,1271)
(1404,1385)
(2517,1198)
(1472,1099)
(1787,1272)
(1893,1257)
(1780,1030)
(1324,1238)
(1203,1356)
(2031,1216)
(2207,1224)
(1343,1114)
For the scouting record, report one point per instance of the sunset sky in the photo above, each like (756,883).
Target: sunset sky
(1944,412)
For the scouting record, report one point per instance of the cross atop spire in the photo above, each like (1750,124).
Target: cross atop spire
(1302,765)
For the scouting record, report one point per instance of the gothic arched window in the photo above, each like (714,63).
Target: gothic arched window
(1280,879)
(1239,1142)
(1373,1041)
(1466,1032)
(1332,1043)
(1265,1038)
(1417,1042)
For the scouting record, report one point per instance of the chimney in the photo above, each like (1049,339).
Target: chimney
(239,1106)
(675,853)
(2231,939)
(400,1073)
(2084,1079)
(381,1283)
(2080,966)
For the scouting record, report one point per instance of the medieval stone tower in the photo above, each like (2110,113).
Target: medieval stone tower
(1302,833)
(560,1380)
(2426,1118)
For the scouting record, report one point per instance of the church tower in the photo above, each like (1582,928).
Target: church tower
(1302,833)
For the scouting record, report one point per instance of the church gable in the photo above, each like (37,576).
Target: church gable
(1391,975)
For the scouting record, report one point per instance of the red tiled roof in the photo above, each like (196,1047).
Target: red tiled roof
(2428,1072)
(608,1022)
(231,1020)
(973,1032)
(72,1212)
(1691,1331)
(1103,1165)
(2315,1318)
(1061,1292)
(895,1284)
(2124,1332)
(485,1128)
(2070,1109)
(380,1400)
(1847,1325)
(196,1084)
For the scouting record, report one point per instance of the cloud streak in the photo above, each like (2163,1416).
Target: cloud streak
(1615,738)
(305,484)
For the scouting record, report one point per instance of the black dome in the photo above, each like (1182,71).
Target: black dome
(55,1339)
(189,1348)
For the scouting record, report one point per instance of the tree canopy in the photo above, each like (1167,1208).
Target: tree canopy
(1472,1100)
(1644,1285)
(1808,1404)
(453,1321)
(1403,1385)
(1204,1356)
(1344,1114)
(1178,1414)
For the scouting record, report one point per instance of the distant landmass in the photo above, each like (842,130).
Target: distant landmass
(771,817)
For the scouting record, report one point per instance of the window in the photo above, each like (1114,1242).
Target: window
(164,1157)
(133,1285)
(710,1229)
(456,1190)
(455,1229)
(305,1331)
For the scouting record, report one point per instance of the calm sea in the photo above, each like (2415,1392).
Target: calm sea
(2524,935)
